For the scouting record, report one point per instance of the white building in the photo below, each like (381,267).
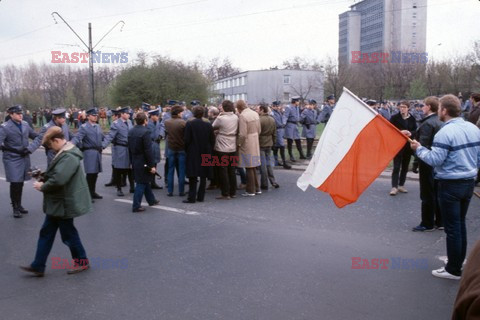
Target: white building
(270,85)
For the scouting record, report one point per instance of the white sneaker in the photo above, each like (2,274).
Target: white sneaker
(402,189)
(394,191)
(246,194)
(442,273)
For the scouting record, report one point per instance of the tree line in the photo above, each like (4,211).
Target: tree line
(158,78)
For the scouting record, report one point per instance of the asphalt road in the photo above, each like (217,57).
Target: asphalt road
(284,254)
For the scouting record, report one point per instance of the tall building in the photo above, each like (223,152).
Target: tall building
(382,26)
(265,86)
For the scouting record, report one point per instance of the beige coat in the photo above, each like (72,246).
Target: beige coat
(227,125)
(248,133)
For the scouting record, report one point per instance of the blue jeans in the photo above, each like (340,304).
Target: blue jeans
(175,157)
(69,236)
(140,190)
(453,199)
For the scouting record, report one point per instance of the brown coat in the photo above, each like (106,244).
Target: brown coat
(248,132)
(268,135)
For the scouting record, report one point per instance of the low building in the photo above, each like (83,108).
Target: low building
(265,86)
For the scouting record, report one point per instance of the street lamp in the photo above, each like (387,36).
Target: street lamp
(89,48)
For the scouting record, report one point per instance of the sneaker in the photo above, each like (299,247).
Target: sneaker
(394,191)
(440,228)
(421,228)
(246,194)
(402,189)
(442,273)
(258,192)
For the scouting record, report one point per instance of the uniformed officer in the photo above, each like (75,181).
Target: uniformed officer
(292,116)
(14,135)
(89,139)
(277,114)
(118,136)
(111,183)
(146,107)
(385,111)
(58,119)
(156,134)
(309,122)
(327,110)
(187,111)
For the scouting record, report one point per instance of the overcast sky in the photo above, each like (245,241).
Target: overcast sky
(254,34)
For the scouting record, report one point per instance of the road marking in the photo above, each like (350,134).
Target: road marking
(187,212)
(2,178)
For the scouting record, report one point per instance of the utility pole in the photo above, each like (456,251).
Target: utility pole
(90,48)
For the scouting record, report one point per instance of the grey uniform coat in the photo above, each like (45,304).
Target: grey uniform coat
(325,114)
(118,136)
(38,141)
(165,117)
(280,123)
(309,123)
(13,141)
(89,139)
(291,117)
(155,136)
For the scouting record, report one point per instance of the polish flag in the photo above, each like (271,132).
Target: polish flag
(355,147)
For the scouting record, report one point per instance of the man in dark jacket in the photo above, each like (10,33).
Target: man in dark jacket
(268,136)
(140,149)
(199,140)
(405,122)
(429,126)
(65,197)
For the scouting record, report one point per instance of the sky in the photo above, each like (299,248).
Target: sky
(253,34)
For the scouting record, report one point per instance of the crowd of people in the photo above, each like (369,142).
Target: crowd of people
(219,143)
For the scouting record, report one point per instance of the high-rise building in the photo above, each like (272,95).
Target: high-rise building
(382,26)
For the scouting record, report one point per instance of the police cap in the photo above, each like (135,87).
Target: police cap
(195,103)
(123,110)
(371,102)
(59,113)
(172,102)
(295,99)
(331,97)
(276,103)
(145,106)
(92,112)
(311,101)
(154,112)
(15,109)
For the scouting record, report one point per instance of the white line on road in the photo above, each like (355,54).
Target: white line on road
(187,212)
(2,178)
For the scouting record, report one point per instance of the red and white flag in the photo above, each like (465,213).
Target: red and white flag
(355,147)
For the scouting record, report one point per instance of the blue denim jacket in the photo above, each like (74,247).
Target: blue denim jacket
(455,151)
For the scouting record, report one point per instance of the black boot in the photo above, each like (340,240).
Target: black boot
(131,182)
(112,179)
(289,146)
(15,192)
(309,148)
(298,143)
(282,155)
(16,211)
(18,196)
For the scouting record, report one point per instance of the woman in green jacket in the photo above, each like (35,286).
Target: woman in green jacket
(65,196)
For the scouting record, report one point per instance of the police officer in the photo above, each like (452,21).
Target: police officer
(156,134)
(58,119)
(111,183)
(277,114)
(166,115)
(309,122)
(89,139)
(118,136)
(14,135)
(187,111)
(292,116)
(327,110)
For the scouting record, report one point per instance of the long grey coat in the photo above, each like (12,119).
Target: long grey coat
(89,139)
(291,116)
(16,165)
(118,136)
(155,133)
(38,141)
(279,122)
(309,123)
